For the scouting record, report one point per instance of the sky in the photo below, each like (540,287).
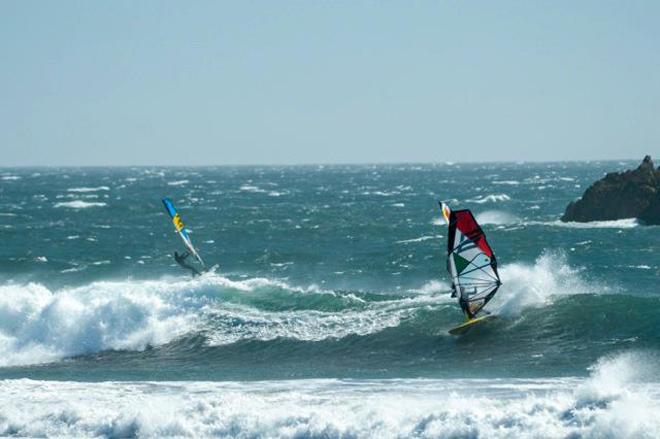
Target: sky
(294,82)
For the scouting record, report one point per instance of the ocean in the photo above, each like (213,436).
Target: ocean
(327,315)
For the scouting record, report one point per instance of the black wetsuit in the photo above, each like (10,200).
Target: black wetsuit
(181,260)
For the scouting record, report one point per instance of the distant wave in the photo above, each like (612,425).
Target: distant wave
(88,189)
(79,204)
(252,188)
(497,217)
(493,198)
(619,399)
(420,239)
(626,223)
(178,183)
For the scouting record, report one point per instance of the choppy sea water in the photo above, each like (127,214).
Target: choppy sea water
(328,315)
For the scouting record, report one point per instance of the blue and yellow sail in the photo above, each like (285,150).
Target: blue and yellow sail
(181,229)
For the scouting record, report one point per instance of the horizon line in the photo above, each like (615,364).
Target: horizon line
(385,163)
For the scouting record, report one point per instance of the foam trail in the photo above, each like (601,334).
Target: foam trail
(235,323)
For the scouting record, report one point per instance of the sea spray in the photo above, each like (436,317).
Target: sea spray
(551,276)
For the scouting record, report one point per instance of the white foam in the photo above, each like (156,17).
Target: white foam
(40,325)
(420,239)
(434,287)
(10,177)
(425,408)
(497,217)
(626,223)
(251,188)
(439,221)
(507,182)
(178,183)
(493,198)
(88,189)
(234,323)
(537,285)
(79,204)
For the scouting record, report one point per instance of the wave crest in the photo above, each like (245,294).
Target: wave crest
(40,325)
(503,408)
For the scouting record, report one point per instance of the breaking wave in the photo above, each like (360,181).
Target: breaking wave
(88,189)
(39,325)
(537,285)
(496,217)
(493,198)
(79,204)
(616,400)
(626,223)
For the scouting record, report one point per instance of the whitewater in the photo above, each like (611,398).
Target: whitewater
(611,402)
(328,314)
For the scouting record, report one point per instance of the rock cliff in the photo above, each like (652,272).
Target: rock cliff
(633,193)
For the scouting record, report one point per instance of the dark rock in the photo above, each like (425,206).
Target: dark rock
(651,215)
(629,194)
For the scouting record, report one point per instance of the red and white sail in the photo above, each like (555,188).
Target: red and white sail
(470,261)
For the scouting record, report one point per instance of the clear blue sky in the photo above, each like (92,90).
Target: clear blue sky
(161,82)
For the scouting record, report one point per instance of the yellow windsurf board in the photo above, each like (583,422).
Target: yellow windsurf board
(464,327)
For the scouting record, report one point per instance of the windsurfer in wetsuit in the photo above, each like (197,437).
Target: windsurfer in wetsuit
(181,260)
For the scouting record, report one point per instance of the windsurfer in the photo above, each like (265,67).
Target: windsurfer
(181,260)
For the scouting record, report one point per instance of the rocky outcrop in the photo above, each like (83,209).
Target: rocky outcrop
(629,194)
(651,215)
